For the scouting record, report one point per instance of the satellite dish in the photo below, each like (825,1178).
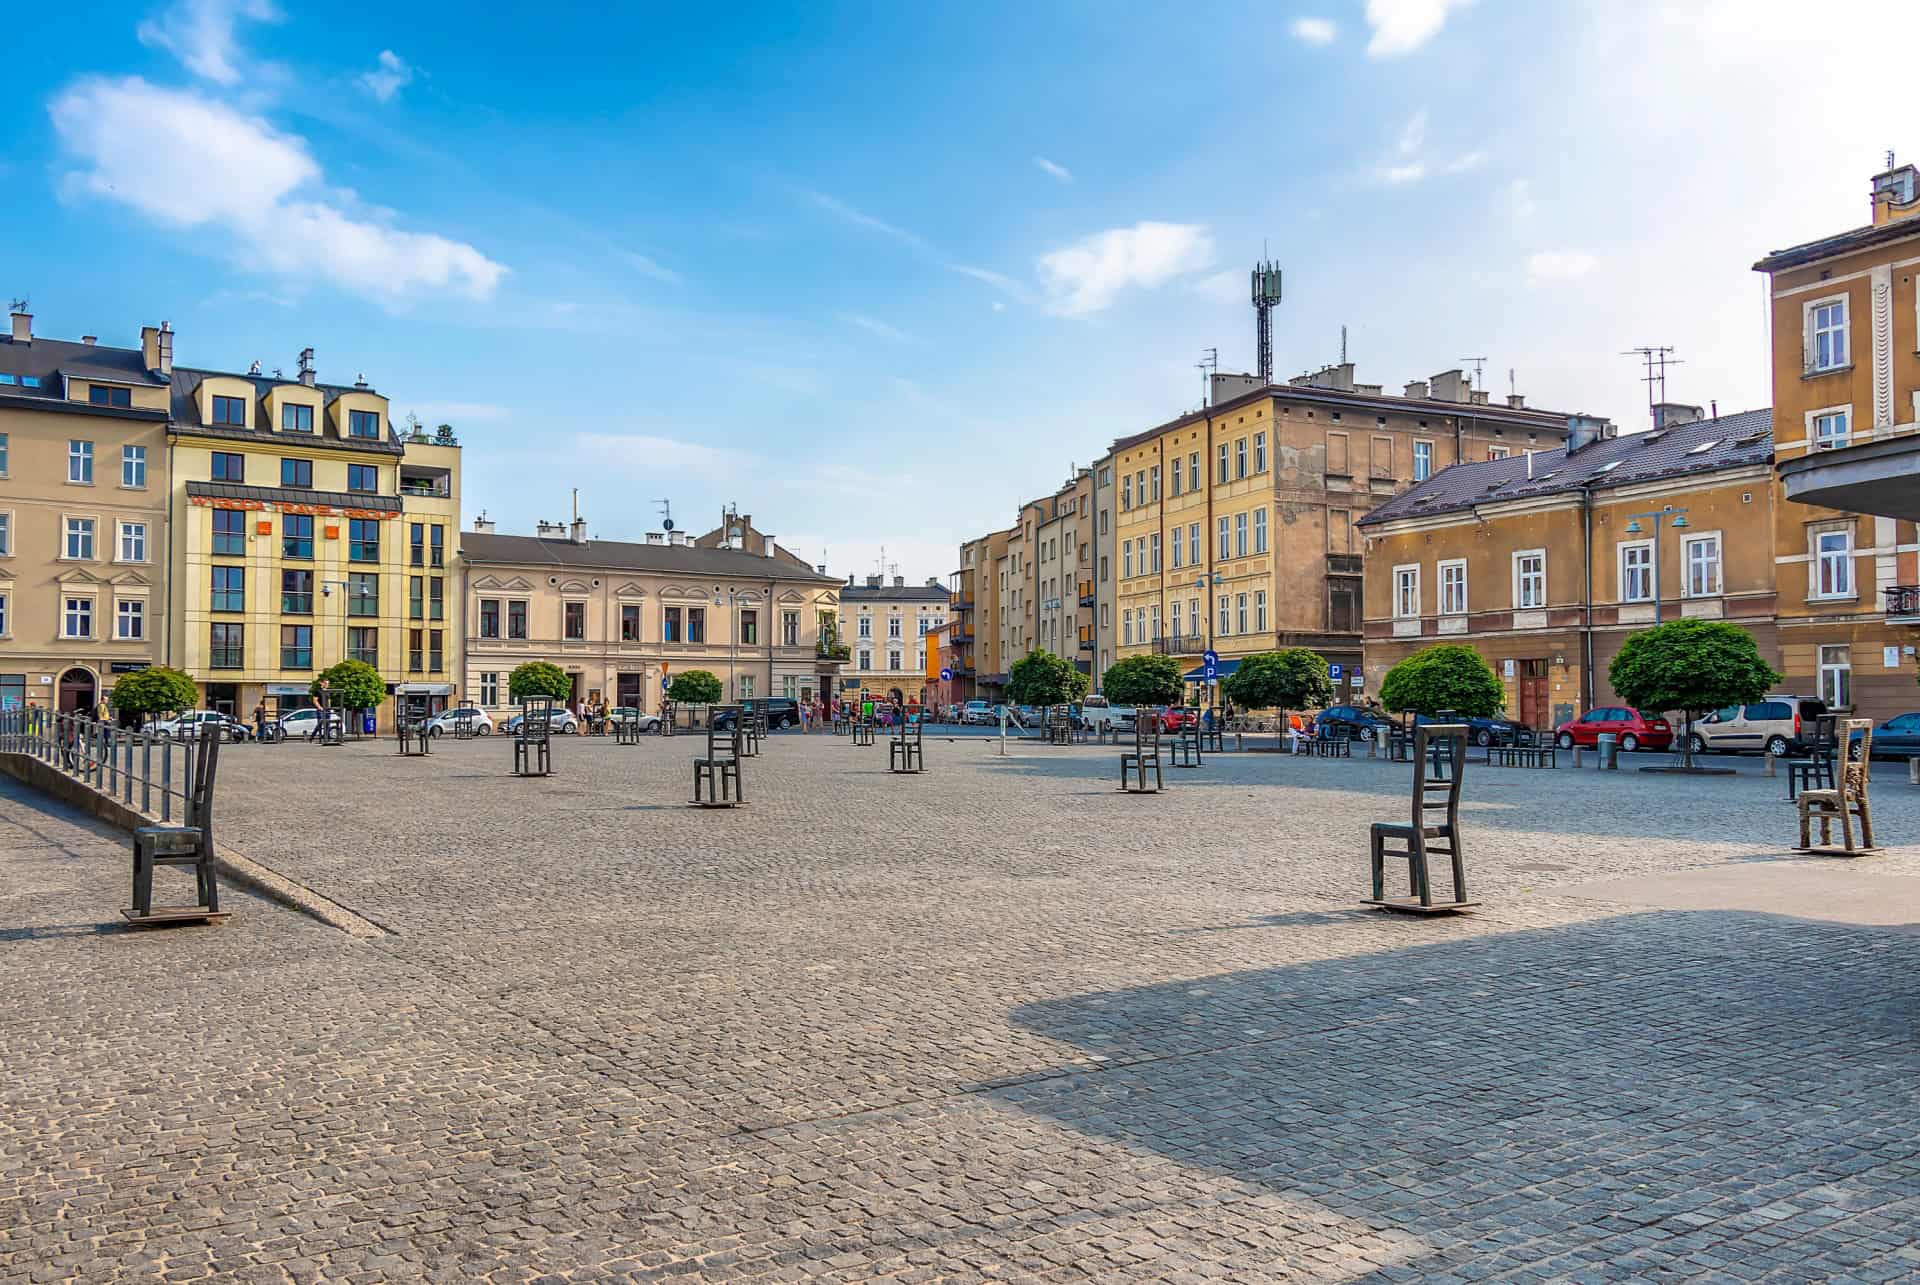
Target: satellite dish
(667,524)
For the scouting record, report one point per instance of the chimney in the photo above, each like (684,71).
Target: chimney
(89,340)
(899,582)
(482,523)
(1450,386)
(1896,193)
(656,537)
(306,367)
(150,347)
(1516,401)
(577,531)
(822,570)
(164,342)
(770,546)
(1416,388)
(1529,466)
(933,582)
(1477,396)
(23,327)
(1674,414)
(849,580)
(550,530)
(873,582)
(1582,431)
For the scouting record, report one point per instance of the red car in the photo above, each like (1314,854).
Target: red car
(1173,718)
(1634,730)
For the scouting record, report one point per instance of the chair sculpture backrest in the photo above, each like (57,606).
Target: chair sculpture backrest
(724,742)
(1438,744)
(1825,735)
(536,718)
(206,765)
(1146,730)
(1853,778)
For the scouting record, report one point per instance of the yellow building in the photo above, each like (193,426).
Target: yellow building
(83,514)
(307,532)
(885,625)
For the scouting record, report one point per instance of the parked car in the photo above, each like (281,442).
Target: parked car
(629,714)
(978,714)
(299,724)
(1351,721)
(1635,730)
(196,722)
(780,712)
(1897,738)
(564,722)
(1097,713)
(1482,731)
(443,722)
(1175,717)
(1777,725)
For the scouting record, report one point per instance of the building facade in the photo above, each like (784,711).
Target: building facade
(83,515)
(1845,316)
(622,618)
(886,626)
(1235,525)
(1546,563)
(1103,582)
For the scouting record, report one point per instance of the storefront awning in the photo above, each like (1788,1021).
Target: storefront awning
(288,689)
(1198,674)
(423,689)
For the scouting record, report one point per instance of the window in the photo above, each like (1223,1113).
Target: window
(226,646)
(363,645)
(297,473)
(1406,592)
(1260,611)
(1126,628)
(296,419)
(1240,613)
(133,466)
(436,546)
(1226,614)
(750,629)
(296,535)
(3,633)
(229,467)
(1826,335)
(629,622)
(416,651)
(1154,474)
(1193,617)
(490,688)
(1126,559)
(99,395)
(696,624)
(1222,464)
(1833,564)
(1260,530)
(1239,535)
(745,684)
(417,598)
(363,423)
(1453,587)
(1193,544)
(6,536)
(1422,461)
(77,622)
(1836,678)
(1126,493)
(1701,556)
(229,588)
(575,620)
(866,624)
(3,454)
(1173,480)
(363,539)
(1178,560)
(230,410)
(893,626)
(789,629)
(133,541)
(1239,459)
(1498,452)
(1636,572)
(1153,542)
(363,594)
(1830,429)
(436,650)
(1529,579)
(1225,537)
(1259,452)
(363,479)
(229,532)
(893,660)
(866,659)
(130,619)
(417,545)
(296,593)
(80,462)
(490,618)
(79,538)
(516,618)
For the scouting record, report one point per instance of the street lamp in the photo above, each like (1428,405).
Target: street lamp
(1657,516)
(734,598)
(1203,582)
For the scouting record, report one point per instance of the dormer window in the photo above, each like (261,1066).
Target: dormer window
(230,410)
(296,419)
(363,423)
(99,395)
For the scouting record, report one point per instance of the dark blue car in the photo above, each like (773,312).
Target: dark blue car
(1482,731)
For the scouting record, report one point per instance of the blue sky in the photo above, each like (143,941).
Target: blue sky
(877,273)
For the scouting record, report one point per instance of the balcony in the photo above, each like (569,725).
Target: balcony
(1086,640)
(1179,645)
(1903,604)
(960,634)
(833,651)
(961,604)
(1086,593)
(1343,564)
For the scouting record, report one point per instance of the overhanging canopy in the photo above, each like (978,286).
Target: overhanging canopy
(1198,674)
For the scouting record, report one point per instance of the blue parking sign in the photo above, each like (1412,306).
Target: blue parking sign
(1333,672)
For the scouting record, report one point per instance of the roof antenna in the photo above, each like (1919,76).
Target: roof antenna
(666,514)
(1655,361)
(1479,365)
(1208,365)
(1343,343)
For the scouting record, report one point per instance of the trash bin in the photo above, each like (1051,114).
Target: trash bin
(366,722)
(1609,752)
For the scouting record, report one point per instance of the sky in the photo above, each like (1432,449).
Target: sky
(876,274)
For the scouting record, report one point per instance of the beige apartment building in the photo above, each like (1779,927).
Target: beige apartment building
(83,514)
(1063,572)
(885,624)
(621,617)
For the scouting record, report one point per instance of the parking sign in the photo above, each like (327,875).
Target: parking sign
(1333,672)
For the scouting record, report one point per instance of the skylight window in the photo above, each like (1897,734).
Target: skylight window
(1704,447)
(1609,466)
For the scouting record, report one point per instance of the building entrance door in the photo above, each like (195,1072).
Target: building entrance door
(76,692)
(1533,693)
(630,690)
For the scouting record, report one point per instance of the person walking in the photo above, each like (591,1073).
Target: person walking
(260,721)
(321,702)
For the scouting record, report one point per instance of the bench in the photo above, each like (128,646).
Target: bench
(533,743)
(717,782)
(1521,756)
(1439,766)
(906,752)
(1144,754)
(190,844)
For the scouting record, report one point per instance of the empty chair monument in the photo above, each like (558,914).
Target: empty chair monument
(1145,755)
(533,743)
(717,781)
(1439,765)
(181,845)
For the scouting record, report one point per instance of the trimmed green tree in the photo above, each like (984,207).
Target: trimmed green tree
(153,691)
(351,684)
(538,678)
(1691,666)
(1042,678)
(695,687)
(1448,676)
(1292,678)
(1144,680)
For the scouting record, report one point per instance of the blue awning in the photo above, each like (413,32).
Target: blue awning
(1198,674)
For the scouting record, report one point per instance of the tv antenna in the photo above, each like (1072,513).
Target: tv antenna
(20,304)
(1208,366)
(1266,293)
(1513,385)
(1343,343)
(1654,360)
(666,514)
(1479,365)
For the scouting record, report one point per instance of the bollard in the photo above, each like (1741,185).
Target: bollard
(1770,768)
(1576,756)
(1609,747)
(1913,771)
(1239,743)
(1372,742)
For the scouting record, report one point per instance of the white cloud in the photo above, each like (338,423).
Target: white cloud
(995,279)
(999,306)
(389,77)
(1060,172)
(1402,26)
(200,34)
(1520,203)
(1084,278)
(1414,133)
(1405,164)
(1314,31)
(1411,172)
(1465,163)
(189,161)
(874,326)
(1559,265)
(647,266)
(860,219)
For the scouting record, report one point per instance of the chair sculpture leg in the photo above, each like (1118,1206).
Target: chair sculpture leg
(1866,822)
(1378,860)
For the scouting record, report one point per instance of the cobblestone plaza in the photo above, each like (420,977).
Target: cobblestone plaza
(994,1022)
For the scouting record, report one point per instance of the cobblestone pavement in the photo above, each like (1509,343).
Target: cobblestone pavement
(993,1022)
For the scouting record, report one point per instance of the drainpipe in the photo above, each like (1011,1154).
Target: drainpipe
(1586,558)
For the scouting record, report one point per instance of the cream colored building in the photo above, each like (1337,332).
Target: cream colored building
(83,514)
(620,616)
(885,625)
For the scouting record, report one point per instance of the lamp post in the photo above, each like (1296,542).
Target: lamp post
(1203,582)
(733,598)
(1657,516)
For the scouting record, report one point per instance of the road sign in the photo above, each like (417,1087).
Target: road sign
(1211,658)
(1333,672)
(946,675)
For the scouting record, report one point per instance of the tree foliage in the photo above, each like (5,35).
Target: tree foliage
(351,684)
(1690,666)
(156,690)
(695,687)
(1445,677)
(1293,678)
(1042,678)
(1144,680)
(538,678)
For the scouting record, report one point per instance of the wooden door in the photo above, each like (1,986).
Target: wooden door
(1533,693)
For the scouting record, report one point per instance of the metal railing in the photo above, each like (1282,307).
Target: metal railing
(140,769)
(1903,600)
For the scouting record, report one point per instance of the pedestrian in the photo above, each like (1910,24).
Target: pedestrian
(321,702)
(806,717)
(260,721)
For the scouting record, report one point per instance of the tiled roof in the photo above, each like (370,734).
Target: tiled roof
(50,359)
(1840,243)
(293,495)
(617,555)
(186,411)
(1730,441)
(890,593)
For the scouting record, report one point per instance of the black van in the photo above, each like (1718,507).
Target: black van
(780,711)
